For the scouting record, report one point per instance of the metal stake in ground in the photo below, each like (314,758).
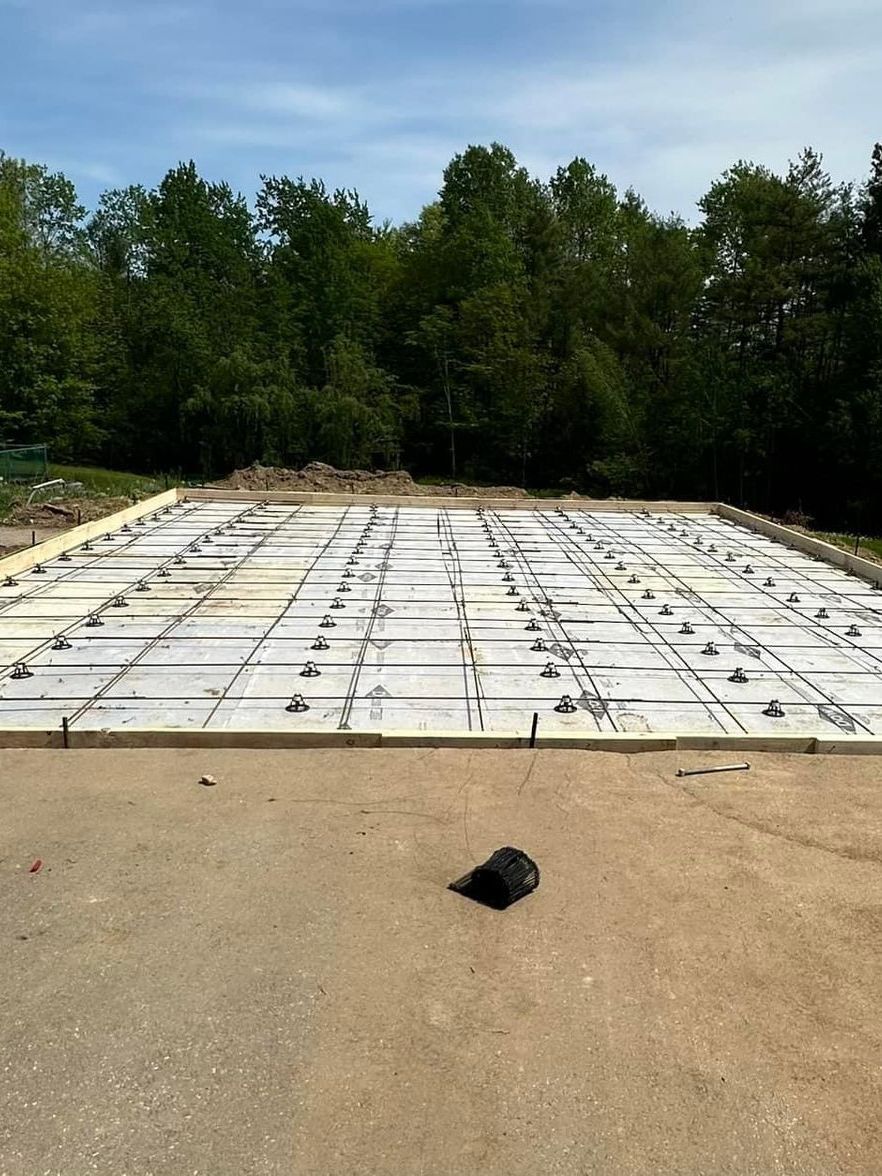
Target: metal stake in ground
(710,771)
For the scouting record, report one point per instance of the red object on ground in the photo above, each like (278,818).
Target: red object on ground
(36,866)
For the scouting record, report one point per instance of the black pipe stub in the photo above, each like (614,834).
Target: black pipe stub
(20,670)
(621,567)
(310,670)
(769,583)
(297,705)
(337,603)
(648,594)
(343,587)
(774,710)
(522,606)
(538,646)
(739,676)
(710,649)
(512,591)
(178,560)
(712,549)
(666,611)
(793,598)
(748,570)
(686,629)
(163,573)
(120,602)
(633,579)
(730,558)
(38,570)
(550,671)
(61,642)
(822,615)
(142,586)
(852,631)
(532,626)
(321,643)
(87,547)
(94,621)
(507,876)
(327,623)
(566,706)
(64,557)
(507,578)
(10,583)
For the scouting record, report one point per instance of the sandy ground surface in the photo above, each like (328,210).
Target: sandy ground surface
(269,976)
(12,538)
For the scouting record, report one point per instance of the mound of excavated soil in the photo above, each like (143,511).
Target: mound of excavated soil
(317,476)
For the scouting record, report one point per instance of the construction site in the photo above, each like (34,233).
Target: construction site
(247,739)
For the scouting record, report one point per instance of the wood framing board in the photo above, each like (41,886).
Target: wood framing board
(305,739)
(28,557)
(855,564)
(441,501)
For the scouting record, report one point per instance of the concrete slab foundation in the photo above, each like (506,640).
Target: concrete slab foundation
(228,616)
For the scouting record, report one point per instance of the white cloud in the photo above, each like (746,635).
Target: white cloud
(661,97)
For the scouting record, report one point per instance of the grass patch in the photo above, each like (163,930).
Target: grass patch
(869,547)
(95,482)
(109,483)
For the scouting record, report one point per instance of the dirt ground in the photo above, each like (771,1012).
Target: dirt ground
(325,478)
(62,515)
(269,976)
(12,538)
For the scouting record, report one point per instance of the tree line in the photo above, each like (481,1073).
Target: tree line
(553,334)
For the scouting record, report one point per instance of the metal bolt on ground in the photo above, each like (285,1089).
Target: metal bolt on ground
(566,706)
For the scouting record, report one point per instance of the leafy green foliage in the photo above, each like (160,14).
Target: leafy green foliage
(556,334)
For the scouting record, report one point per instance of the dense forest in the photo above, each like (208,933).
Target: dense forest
(553,334)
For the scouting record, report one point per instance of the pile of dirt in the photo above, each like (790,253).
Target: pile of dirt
(319,477)
(63,514)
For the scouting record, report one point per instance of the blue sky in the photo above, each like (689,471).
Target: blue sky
(379,94)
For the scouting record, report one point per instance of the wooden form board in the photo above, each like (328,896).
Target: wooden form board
(627,744)
(448,502)
(28,557)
